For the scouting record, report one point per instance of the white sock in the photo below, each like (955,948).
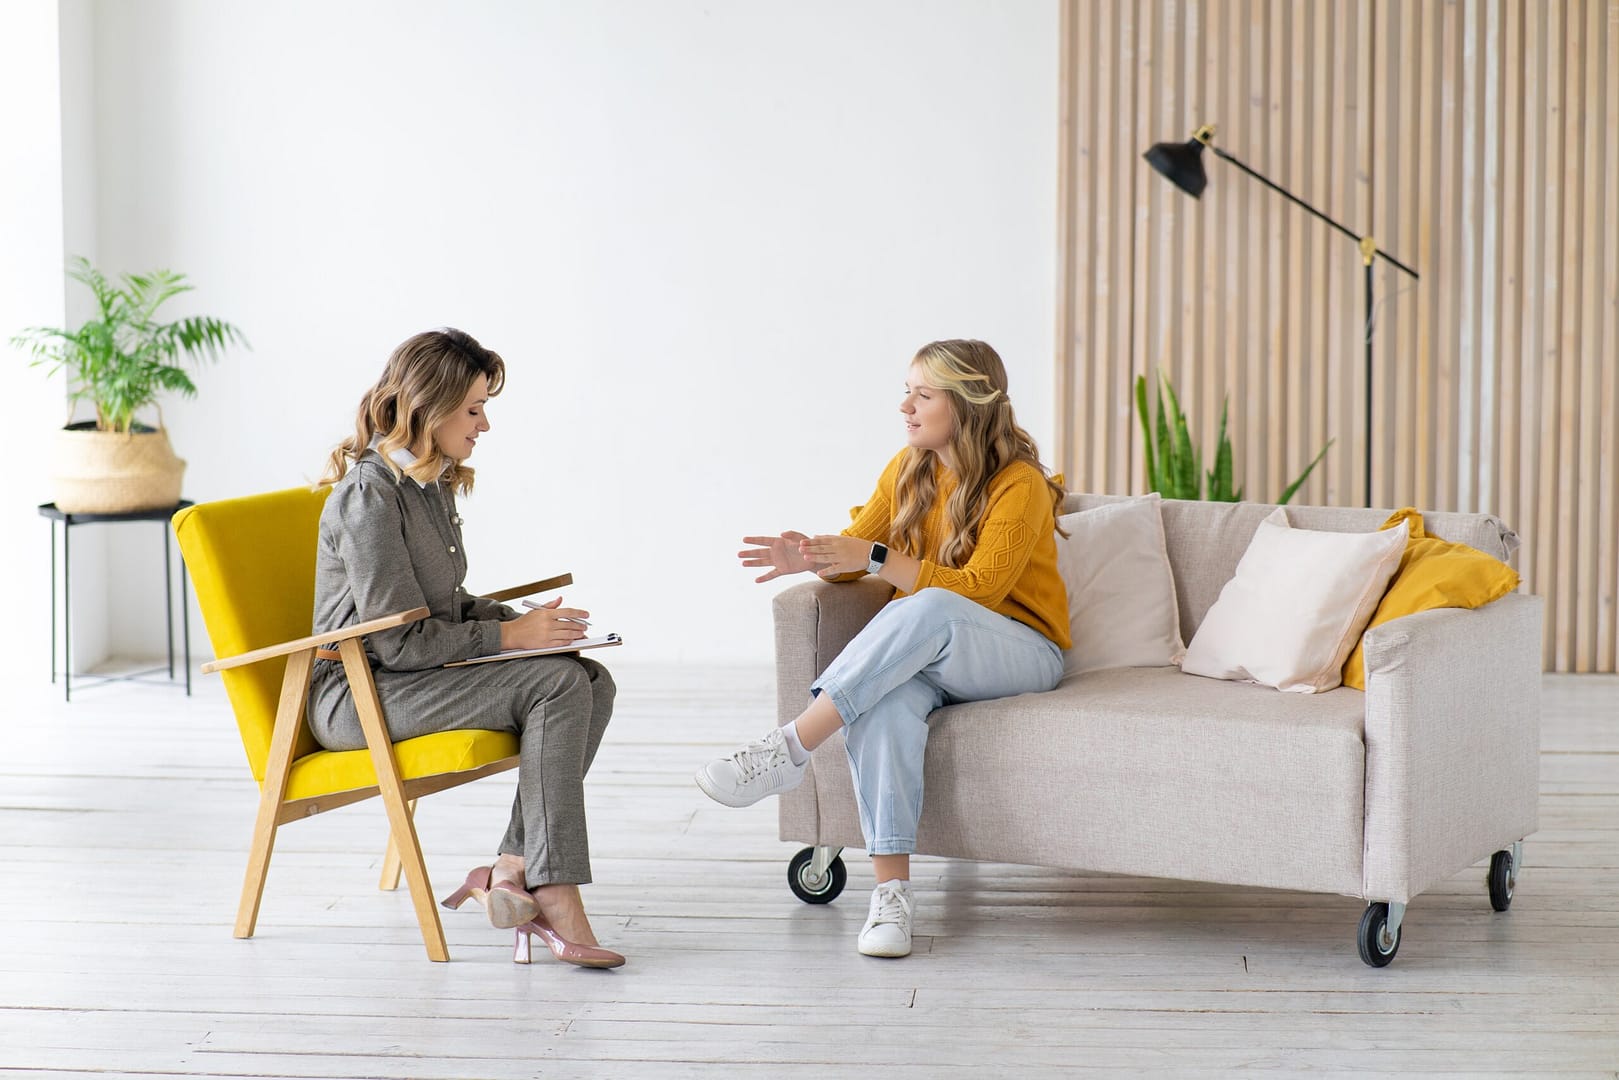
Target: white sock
(795,749)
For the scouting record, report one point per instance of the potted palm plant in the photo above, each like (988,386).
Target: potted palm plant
(120,361)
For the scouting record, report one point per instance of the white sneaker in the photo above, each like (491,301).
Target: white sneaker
(888,927)
(758,769)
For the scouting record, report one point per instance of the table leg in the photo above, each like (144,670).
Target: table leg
(67,612)
(185,624)
(168,601)
(53,601)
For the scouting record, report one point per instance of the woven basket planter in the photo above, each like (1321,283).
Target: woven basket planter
(108,472)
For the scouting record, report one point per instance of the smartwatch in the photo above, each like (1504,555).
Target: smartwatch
(879,555)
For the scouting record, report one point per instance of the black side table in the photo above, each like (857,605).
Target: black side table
(161,516)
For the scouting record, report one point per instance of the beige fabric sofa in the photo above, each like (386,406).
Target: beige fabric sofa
(1152,772)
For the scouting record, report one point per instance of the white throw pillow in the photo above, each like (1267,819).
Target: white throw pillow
(1121,594)
(1295,608)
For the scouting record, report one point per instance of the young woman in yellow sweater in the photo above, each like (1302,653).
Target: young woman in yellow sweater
(962,525)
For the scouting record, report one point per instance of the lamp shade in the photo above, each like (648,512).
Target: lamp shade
(1182,163)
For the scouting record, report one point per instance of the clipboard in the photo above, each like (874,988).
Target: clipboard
(603,642)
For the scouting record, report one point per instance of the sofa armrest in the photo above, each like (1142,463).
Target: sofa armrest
(1452,741)
(814,621)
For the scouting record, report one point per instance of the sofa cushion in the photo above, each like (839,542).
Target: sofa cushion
(1433,573)
(1297,604)
(1121,592)
(1207,539)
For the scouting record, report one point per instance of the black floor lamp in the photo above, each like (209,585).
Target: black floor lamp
(1182,163)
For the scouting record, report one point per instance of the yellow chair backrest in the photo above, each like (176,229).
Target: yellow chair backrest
(252,561)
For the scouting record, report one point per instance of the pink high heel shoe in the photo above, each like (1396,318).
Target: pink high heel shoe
(508,905)
(569,952)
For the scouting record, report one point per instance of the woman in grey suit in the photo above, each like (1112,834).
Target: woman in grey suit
(390,540)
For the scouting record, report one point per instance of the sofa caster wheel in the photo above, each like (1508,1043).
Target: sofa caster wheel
(807,887)
(1502,879)
(1377,944)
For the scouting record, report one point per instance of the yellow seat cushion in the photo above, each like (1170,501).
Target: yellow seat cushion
(1433,573)
(327,771)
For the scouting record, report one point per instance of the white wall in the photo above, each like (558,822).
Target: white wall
(706,236)
(103,553)
(31,294)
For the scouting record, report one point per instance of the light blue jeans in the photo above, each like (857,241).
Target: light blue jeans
(921,652)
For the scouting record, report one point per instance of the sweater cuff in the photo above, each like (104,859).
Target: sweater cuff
(924,576)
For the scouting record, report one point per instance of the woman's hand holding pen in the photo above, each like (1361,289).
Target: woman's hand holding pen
(780,553)
(545,626)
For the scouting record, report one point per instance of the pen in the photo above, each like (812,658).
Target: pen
(536,607)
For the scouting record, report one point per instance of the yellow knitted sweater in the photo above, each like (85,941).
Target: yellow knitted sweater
(1012,571)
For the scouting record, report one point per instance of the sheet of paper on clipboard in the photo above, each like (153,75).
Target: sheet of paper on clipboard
(582,644)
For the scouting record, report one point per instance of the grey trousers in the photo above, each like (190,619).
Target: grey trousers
(558,706)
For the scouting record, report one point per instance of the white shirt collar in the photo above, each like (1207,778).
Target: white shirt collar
(401,457)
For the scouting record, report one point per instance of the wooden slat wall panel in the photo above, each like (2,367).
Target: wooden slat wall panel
(1607,478)
(1477,140)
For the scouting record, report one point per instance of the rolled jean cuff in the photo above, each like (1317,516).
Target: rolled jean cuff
(840,700)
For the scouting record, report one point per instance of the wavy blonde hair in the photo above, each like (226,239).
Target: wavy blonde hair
(986,438)
(423,384)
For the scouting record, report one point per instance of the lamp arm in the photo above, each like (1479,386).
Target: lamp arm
(1286,194)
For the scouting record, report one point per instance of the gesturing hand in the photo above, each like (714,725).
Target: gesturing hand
(834,555)
(780,553)
(545,627)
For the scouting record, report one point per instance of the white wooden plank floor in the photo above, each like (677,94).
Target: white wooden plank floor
(124,819)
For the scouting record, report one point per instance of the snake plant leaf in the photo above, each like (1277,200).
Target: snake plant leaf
(1187,479)
(1287,493)
(1146,429)
(1166,449)
(1220,475)
(1173,459)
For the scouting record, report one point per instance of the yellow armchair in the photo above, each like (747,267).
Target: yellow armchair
(252,561)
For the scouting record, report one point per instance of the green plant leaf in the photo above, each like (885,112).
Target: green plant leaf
(123,359)
(1187,478)
(1146,433)
(1288,492)
(1173,458)
(1221,475)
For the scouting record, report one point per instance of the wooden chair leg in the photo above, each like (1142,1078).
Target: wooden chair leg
(392,790)
(289,716)
(390,858)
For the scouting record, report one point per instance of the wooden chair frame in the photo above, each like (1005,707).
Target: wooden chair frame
(399,796)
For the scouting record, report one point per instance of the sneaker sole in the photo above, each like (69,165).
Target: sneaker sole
(725,798)
(721,797)
(885,951)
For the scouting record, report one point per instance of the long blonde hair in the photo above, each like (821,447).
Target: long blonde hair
(425,382)
(985,439)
